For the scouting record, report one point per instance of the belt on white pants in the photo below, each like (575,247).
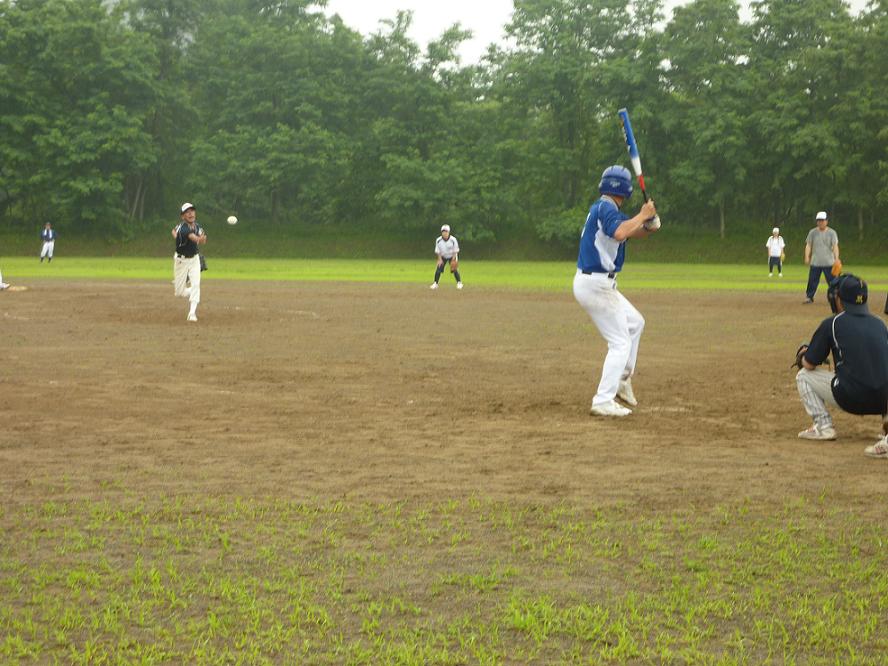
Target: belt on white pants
(608,278)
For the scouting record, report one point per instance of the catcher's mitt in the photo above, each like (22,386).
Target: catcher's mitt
(836,268)
(800,352)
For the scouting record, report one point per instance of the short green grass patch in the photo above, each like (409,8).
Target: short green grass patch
(197,580)
(543,275)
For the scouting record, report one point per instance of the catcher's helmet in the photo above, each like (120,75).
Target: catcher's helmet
(849,289)
(616,180)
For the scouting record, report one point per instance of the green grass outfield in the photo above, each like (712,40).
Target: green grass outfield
(545,275)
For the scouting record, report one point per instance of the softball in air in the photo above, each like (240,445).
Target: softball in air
(232,219)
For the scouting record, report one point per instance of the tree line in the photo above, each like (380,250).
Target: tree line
(112,113)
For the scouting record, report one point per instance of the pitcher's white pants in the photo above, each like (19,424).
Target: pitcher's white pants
(187,268)
(619,323)
(48,247)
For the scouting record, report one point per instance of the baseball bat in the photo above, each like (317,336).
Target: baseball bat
(634,157)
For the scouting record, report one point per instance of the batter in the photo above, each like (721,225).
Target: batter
(602,252)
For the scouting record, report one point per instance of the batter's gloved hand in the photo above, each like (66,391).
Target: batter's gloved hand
(836,268)
(800,352)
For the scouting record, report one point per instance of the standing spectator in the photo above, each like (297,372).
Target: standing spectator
(775,247)
(821,252)
(48,236)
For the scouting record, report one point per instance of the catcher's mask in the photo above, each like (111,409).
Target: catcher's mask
(851,290)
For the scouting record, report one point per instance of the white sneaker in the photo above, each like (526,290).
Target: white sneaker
(770,275)
(779,274)
(459,285)
(4,285)
(610,409)
(192,317)
(434,286)
(815,432)
(625,393)
(878,450)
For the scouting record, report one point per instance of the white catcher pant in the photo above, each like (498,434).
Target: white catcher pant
(815,390)
(187,268)
(619,323)
(47,249)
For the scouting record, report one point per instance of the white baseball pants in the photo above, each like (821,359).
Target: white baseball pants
(187,268)
(47,249)
(815,390)
(619,323)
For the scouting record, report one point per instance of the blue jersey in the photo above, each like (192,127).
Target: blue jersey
(599,252)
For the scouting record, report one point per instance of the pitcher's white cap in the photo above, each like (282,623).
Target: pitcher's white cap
(186,206)
(446,227)
(775,230)
(821,215)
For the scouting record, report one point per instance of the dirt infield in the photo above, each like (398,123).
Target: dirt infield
(371,392)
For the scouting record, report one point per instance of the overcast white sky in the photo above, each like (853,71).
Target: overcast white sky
(485,18)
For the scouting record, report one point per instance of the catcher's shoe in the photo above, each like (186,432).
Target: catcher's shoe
(816,432)
(434,285)
(878,450)
(626,394)
(610,409)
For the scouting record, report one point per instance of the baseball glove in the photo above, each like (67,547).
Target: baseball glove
(800,352)
(836,268)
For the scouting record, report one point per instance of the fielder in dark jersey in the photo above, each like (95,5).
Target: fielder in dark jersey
(858,342)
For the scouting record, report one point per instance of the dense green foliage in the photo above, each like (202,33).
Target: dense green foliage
(113,113)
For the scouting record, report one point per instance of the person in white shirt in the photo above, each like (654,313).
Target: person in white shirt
(447,252)
(775,247)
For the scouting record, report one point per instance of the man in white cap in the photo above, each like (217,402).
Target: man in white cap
(775,247)
(187,261)
(821,252)
(447,252)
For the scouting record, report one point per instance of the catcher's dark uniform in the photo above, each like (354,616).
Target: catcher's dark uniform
(858,342)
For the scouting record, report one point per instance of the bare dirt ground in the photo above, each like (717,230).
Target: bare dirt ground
(376,392)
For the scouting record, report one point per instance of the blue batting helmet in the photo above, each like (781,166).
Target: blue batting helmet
(616,180)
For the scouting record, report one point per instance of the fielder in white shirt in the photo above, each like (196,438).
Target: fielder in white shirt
(775,247)
(447,252)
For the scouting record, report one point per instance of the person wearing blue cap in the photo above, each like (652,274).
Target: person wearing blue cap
(601,256)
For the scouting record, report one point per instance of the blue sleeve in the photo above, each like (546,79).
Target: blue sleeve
(610,217)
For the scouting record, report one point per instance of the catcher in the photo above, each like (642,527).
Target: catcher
(858,342)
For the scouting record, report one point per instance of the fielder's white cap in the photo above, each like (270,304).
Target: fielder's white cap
(446,227)
(775,230)
(821,215)
(186,206)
